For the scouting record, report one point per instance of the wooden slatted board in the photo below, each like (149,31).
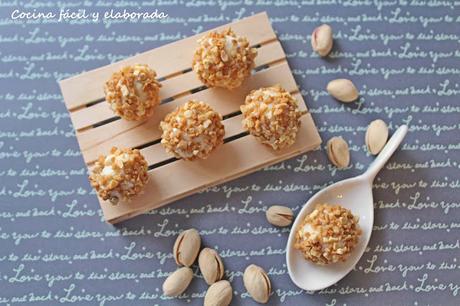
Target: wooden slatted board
(98,129)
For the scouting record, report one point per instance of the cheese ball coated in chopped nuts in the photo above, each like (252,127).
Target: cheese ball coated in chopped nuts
(328,234)
(223,59)
(272,115)
(133,92)
(120,175)
(192,131)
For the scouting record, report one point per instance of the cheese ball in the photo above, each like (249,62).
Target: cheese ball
(192,131)
(223,59)
(133,92)
(328,234)
(272,115)
(120,175)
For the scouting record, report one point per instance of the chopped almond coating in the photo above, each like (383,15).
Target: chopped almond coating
(223,59)
(272,115)
(133,92)
(192,131)
(328,234)
(120,175)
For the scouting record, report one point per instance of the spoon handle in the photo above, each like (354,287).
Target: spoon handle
(385,154)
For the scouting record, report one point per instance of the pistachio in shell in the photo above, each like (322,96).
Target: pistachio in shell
(177,282)
(338,152)
(343,90)
(376,136)
(187,247)
(321,39)
(219,294)
(279,215)
(211,266)
(257,283)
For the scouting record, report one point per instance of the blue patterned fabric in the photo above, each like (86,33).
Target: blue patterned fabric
(403,56)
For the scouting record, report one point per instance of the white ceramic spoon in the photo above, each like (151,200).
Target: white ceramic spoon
(354,194)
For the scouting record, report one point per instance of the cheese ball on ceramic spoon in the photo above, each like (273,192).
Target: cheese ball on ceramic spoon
(120,175)
(223,59)
(272,115)
(133,92)
(328,234)
(192,131)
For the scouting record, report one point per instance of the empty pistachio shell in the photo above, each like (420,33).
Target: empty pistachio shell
(343,90)
(186,247)
(211,266)
(376,136)
(257,283)
(219,294)
(177,282)
(279,215)
(338,152)
(321,39)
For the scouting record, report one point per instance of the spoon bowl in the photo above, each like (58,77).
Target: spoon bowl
(354,194)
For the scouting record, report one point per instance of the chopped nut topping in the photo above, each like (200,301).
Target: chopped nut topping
(223,59)
(192,130)
(272,115)
(328,234)
(133,92)
(120,175)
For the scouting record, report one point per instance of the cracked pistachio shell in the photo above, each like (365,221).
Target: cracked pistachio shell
(321,39)
(187,247)
(338,152)
(219,294)
(257,283)
(376,136)
(343,90)
(280,215)
(177,282)
(211,266)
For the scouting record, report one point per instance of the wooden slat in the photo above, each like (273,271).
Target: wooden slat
(123,133)
(86,87)
(156,153)
(181,178)
(182,83)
